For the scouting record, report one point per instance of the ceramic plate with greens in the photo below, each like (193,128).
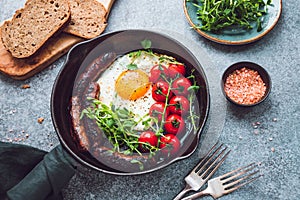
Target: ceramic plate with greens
(233,22)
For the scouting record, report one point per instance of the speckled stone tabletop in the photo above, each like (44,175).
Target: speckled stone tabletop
(267,133)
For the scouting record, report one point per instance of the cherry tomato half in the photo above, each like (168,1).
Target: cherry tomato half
(147,137)
(169,144)
(180,86)
(157,72)
(179,105)
(176,70)
(160,91)
(157,109)
(174,124)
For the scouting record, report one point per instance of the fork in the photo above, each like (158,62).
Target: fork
(227,183)
(204,169)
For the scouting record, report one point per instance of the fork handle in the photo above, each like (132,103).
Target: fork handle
(185,190)
(197,195)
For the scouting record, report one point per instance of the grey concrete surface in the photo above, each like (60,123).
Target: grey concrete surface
(267,133)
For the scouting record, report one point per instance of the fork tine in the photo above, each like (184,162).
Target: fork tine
(209,174)
(239,180)
(202,164)
(227,191)
(239,172)
(209,158)
(235,171)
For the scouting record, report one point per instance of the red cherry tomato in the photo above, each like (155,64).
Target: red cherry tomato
(157,72)
(147,137)
(157,109)
(160,91)
(174,124)
(176,70)
(180,86)
(179,105)
(169,144)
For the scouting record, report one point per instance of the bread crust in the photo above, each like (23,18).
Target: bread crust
(32,25)
(88,18)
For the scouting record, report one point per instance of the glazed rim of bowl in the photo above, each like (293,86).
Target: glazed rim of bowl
(250,65)
(87,50)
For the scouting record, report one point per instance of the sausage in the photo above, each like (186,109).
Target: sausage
(92,72)
(91,91)
(85,87)
(77,105)
(78,131)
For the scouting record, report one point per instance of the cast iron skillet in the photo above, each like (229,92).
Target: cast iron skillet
(122,42)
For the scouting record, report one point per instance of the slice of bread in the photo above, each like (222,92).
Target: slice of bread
(33,25)
(88,18)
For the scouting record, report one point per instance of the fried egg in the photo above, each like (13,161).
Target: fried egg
(127,88)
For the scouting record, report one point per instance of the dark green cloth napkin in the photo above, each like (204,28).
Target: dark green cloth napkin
(30,173)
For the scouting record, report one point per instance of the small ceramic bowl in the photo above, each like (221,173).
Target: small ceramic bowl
(246,84)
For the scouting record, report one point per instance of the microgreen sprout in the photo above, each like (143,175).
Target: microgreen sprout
(146,44)
(116,123)
(192,97)
(216,15)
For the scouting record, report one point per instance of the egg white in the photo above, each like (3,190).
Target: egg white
(140,107)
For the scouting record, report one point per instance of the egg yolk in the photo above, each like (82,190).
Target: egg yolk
(132,84)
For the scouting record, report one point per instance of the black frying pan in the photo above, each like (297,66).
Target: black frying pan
(121,42)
